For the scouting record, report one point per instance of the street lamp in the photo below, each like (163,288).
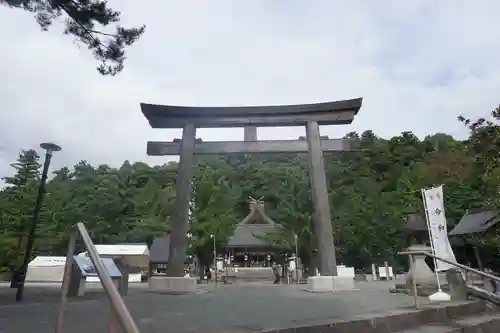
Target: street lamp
(215,258)
(296,258)
(49,149)
(191,263)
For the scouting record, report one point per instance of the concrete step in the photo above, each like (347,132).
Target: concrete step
(431,328)
(404,320)
(481,323)
(487,323)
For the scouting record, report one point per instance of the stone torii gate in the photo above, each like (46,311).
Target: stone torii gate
(309,115)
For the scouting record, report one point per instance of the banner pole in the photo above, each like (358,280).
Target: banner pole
(422,191)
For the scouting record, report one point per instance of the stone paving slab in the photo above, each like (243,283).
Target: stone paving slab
(227,308)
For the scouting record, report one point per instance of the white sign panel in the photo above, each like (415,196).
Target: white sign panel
(48,261)
(344,271)
(136,255)
(122,250)
(438,231)
(383,274)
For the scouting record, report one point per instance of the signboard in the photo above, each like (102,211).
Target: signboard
(87,269)
(48,261)
(135,255)
(122,250)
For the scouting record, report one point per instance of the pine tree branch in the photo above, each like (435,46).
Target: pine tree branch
(82,16)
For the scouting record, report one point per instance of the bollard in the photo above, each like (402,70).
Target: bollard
(387,275)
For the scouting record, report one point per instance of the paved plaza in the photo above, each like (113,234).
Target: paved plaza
(229,308)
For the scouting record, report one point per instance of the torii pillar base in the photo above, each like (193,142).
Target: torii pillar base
(172,284)
(322,284)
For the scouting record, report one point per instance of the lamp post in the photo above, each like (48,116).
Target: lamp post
(297,258)
(49,149)
(215,258)
(192,262)
(228,260)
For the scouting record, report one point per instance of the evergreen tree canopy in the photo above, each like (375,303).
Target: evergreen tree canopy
(371,193)
(87,21)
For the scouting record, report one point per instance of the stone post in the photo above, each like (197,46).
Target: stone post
(178,239)
(322,217)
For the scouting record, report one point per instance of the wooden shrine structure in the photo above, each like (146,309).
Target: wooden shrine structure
(249,246)
(479,222)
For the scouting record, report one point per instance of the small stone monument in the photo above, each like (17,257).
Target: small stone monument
(418,238)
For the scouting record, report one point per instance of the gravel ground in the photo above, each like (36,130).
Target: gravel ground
(249,306)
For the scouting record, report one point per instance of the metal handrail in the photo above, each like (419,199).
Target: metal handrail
(118,307)
(466,268)
(412,255)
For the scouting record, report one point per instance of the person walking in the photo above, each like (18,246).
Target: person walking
(276,272)
(208,273)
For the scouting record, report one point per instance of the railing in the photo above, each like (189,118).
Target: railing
(412,255)
(119,310)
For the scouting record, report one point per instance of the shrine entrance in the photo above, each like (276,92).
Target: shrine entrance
(311,116)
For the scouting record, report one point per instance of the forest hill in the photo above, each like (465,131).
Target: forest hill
(371,193)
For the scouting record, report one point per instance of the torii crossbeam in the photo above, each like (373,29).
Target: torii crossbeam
(161,148)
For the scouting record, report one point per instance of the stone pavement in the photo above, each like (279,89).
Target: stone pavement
(228,308)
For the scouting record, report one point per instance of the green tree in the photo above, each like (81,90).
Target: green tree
(17,208)
(371,190)
(483,146)
(84,20)
(213,207)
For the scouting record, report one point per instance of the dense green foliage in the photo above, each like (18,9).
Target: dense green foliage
(371,191)
(83,20)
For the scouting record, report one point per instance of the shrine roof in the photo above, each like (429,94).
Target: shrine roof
(250,235)
(252,230)
(476,222)
(415,222)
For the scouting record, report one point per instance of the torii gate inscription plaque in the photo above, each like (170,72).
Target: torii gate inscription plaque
(309,115)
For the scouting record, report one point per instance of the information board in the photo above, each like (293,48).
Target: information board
(87,269)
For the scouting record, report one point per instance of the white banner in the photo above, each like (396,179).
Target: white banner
(436,223)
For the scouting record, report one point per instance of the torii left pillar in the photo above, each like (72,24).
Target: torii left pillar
(178,240)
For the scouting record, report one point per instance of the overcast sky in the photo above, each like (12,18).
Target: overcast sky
(418,65)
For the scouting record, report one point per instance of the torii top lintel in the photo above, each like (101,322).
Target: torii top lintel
(330,113)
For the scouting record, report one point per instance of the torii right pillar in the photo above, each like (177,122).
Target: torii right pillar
(322,215)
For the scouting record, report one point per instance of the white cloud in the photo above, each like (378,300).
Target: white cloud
(418,64)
